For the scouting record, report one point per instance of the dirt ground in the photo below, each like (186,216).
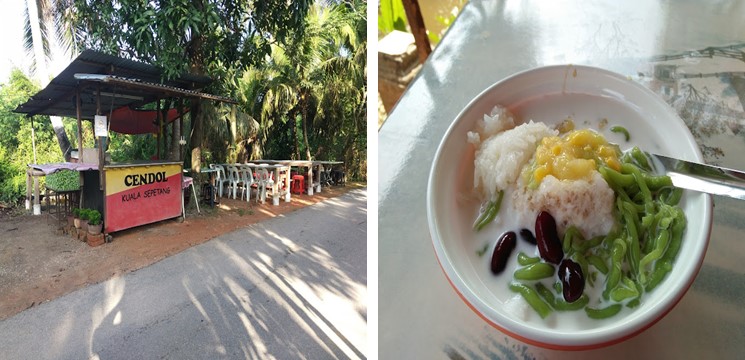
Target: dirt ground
(38,263)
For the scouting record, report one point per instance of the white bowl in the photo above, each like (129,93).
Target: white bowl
(550,94)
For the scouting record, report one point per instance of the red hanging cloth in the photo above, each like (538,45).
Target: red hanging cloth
(128,121)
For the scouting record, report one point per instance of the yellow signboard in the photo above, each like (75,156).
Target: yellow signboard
(141,194)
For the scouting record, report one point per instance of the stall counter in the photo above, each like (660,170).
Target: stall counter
(139,193)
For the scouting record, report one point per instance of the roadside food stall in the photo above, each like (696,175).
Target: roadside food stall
(109,92)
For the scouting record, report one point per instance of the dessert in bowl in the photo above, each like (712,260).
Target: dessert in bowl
(551,140)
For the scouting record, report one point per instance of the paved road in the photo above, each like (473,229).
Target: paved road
(287,288)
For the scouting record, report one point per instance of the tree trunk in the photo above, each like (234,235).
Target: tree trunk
(305,128)
(197,134)
(166,153)
(37,41)
(175,153)
(159,123)
(296,141)
(196,64)
(62,139)
(233,121)
(43,76)
(257,148)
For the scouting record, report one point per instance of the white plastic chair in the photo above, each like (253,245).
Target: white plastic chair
(247,179)
(269,182)
(284,174)
(265,182)
(220,178)
(253,171)
(234,180)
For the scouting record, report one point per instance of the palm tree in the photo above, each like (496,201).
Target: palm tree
(342,103)
(321,66)
(39,29)
(268,94)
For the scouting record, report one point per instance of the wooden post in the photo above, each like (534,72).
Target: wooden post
(28,188)
(37,205)
(80,143)
(164,127)
(416,22)
(176,130)
(80,126)
(181,119)
(101,156)
(160,128)
(99,140)
(33,139)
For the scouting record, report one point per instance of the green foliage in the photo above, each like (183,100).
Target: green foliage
(93,216)
(445,20)
(84,214)
(203,37)
(315,88)
(298,69)
(10,188)
(217,135)
(76,212)
(16,147)
(71,128)
(13,93)
(124,147)
(47,149)
(63,180)
(212,36)
(391,16)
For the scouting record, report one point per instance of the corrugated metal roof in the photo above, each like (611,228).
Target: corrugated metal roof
(130,83)
(101,63)
(161,89)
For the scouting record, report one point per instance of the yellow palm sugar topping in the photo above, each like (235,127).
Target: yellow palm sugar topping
(573,156)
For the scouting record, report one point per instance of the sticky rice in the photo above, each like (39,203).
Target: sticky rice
(500,119)
(588,205)
(502,155)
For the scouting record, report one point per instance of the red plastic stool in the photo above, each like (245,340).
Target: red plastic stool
(298,184)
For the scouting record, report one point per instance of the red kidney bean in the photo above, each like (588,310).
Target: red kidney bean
(547,238)
(572,280)
(502,251)
(527,236)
